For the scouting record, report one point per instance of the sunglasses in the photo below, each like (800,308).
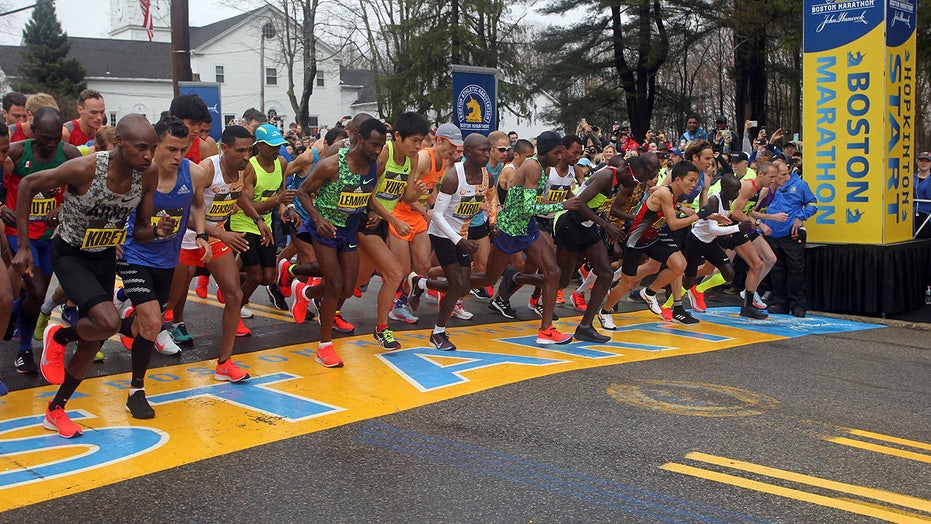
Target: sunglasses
(503,149)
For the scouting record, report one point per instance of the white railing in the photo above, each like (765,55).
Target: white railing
(927,218)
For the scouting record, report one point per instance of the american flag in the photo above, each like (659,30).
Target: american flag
(147,18)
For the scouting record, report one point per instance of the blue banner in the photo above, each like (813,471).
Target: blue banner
(831,24)
(474,102)
(209,92)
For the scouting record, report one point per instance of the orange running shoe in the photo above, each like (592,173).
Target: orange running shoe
(57,420)
(551,336)
(697,298)
(169,316)
(284,278)
(559,297)
(229,371)
(327,357)
(340,324)
(578,301)
(220,298)
(201,288)
(127,341)
(667,314)
(52,363)
(242,330)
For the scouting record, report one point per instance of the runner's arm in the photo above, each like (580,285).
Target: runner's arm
(443,198)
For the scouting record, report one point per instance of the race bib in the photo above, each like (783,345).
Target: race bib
(267,194)
(465,210)
(40,208)
(392,186)
(176,214)
(103,237)
(352,201)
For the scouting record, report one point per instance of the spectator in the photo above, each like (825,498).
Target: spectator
(692,132)
(724,138)
(923,192)
(512,137)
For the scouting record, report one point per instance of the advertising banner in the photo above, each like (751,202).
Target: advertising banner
(209,92)
(474,99)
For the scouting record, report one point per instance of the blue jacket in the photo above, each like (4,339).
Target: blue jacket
(923,191)
(795,199)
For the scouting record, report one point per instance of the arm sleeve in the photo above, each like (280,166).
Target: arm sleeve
(439,217)
(719,230)
(532,208)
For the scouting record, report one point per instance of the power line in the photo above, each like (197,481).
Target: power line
(37,4)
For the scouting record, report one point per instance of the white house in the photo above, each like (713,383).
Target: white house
(134,74)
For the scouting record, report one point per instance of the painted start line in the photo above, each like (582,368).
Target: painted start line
(290,394)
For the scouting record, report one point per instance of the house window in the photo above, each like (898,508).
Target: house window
(113,116)
(219,74)
(313,121)
(271,76)
(320,82)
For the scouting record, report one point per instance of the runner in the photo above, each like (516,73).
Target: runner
(481,225)
(459,199)
(337,196)
(398,160)
(147,267)
(102,190)
(6,291)
(45,151)
(92,113)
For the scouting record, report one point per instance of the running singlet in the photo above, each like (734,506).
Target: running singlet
(646,226)
(193,152)
(219,201)
(754,202)
(44,202)
(521,205)
(16,133)
(554,188)
(601,202)
(348,195)
(392,183)
(704,229)
(464,204)
(266,187)
(403,210)
(96,220)
(163,252)
(295,181)
(76,136)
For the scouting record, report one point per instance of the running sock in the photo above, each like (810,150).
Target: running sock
(27,324)
(400,300)
(324,344)
(142,355)
(66,334)
(381,327)
(748,298)
(669,301)
(617,274)
(715,280)
(67,388)
(587,283)
(438,329)
(650,292)
(126,325)
(48,306)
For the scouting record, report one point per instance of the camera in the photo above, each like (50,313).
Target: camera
(754,123)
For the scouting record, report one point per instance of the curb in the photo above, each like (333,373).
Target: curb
(889,322)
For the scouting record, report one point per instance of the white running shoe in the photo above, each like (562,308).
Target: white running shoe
(165,345)
(607,321)
(404,314)
(246,313)
(757,301)
(460,312)
(651,301)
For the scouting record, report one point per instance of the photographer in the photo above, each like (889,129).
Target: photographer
(724,138)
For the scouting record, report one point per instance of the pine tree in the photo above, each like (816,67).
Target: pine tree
(45,65)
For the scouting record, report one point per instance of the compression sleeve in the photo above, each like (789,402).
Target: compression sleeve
(532,208)
(439,217)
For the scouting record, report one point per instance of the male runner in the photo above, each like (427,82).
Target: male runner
(6,291)
(481,225)
(337,198)
(459,199)
(222,190)
(102,190)
(14,108)
(147,267)
(92,113)
(45,151)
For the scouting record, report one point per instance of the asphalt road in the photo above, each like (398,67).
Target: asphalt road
(791,430)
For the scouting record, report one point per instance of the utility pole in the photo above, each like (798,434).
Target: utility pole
(180,44)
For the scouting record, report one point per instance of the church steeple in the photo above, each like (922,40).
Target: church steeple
(126,22)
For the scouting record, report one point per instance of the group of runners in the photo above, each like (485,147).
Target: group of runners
(161,205)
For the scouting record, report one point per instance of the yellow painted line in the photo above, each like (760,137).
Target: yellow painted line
(821,500)
(889,438)
(259,310)
(852,489)
(869,446)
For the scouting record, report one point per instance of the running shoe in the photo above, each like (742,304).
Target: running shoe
(327,357)
(551,336)
(340,324)
(502,306)
(357,292)
(432,296)
(798,311)
(578,301)
(757,301)
(275,297)
(651,301)
(41,324)
(168,316)
(441,341)
(26,362)
(460,312)
(138,406)
(588,334)
(70,314)
(538,309)
(99,356)
(57,420)
(752,312)
(299,307)
(117,303)
(667,314)
(165,345)
(127,341)
(533,303)
(220,298)
(697,299)
(242,330)
(180,335)
(387,340)
(680,315)
(606,321)
(229,371)
(201,288)
(245,312)
(481,292)
(52,363)
(560,299)
(284,278)
(404,314)
(414,291)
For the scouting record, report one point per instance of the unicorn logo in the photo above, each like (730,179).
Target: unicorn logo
(473,110)
(854,216)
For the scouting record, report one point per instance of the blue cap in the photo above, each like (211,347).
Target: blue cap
(270,135)
(584,162)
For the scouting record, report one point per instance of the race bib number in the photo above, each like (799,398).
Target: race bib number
(267,194)
(173,213)
(40,208)
(557,194)
(105,237)
(465,210)
(352,202)
(392,186)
